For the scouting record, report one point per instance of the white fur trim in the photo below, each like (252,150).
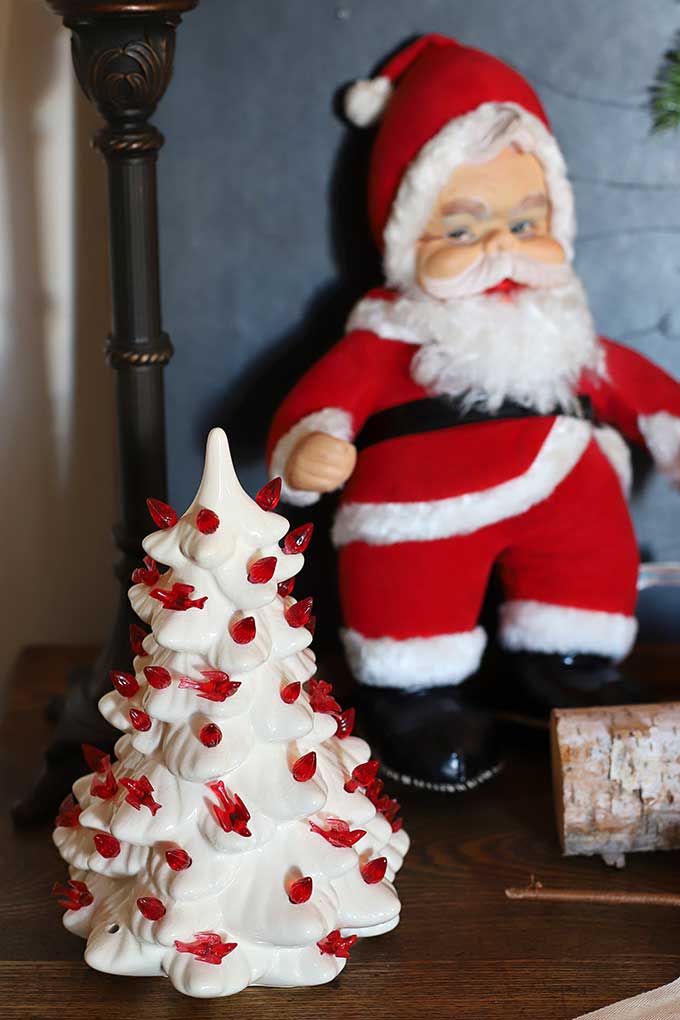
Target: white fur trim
(661,433)
(365,101)
(334,422)
(387,523)
(474,137)
(543,627)
(615,449)
(414,662)
(383,318)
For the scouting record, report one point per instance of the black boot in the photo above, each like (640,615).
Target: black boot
(431,737)
(548,681)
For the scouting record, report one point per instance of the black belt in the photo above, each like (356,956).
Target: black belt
(433,413)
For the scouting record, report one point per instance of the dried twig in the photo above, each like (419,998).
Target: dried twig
(536,891)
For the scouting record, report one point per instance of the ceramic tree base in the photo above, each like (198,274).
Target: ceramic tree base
(240,837)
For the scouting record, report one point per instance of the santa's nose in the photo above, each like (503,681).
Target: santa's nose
(498,239)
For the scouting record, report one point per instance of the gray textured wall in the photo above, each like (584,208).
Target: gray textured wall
(264,243)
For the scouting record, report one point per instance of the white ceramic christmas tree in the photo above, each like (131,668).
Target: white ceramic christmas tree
(241,837)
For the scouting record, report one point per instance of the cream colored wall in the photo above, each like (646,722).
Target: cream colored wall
(57,454)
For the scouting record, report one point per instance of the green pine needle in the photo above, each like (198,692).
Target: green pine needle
(666,94)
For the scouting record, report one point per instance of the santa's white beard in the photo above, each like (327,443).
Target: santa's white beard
(530,346)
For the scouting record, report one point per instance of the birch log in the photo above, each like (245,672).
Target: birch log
(616,779)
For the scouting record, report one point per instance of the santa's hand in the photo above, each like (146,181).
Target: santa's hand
(320,463)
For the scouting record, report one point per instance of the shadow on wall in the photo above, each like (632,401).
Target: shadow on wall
(290,354)
(57,446)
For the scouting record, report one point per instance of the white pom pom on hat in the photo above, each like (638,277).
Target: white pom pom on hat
(365,101)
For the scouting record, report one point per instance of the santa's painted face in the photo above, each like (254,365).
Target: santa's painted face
(490,222)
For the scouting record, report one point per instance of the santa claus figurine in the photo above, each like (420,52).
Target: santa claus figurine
(475,419)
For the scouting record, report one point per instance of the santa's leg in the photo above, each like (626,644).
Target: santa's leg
(570,579)
(413,642)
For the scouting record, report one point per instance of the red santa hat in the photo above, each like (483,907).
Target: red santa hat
(442,104)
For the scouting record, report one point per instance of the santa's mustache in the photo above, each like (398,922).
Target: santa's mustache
(491,269)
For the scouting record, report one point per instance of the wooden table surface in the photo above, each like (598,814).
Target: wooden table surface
(462,950)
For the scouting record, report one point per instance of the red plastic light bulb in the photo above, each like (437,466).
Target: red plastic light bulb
(299,613)
(105,788)
(95,759)
(207,522)
(262,570)
(291,692)
(231,813)
(345,723)
(178,598)
(140,720)
(125,683)
(397,824)
(243,631)
(362,775)
(335,945)
(300,890)
(162,515)
(75,894)
(367,772)
(374,871)
(269,495)
(296,541)
(157,677)
(140,794)
(391,809)
(373,791)
(285,588)
(106,845)
(304,768)
(382,804)
(69,812)
(100,763)
(217,686)
(148,574)
(207,947)
(178,859)
(137,635)
(210,735)
(320,697)
(151,908)
(338,832)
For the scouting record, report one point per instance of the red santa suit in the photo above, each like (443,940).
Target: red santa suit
(489,429)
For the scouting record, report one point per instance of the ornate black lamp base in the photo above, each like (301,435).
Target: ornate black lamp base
(123,56)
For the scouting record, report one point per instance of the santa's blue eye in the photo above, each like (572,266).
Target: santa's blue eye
(461,234)
(522,227)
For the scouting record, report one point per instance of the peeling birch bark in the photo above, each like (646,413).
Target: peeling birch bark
(616,779)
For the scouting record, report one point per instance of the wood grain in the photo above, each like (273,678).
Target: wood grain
(462,951)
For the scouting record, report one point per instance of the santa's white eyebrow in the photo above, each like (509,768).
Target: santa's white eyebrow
(479,210)
(530,202)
